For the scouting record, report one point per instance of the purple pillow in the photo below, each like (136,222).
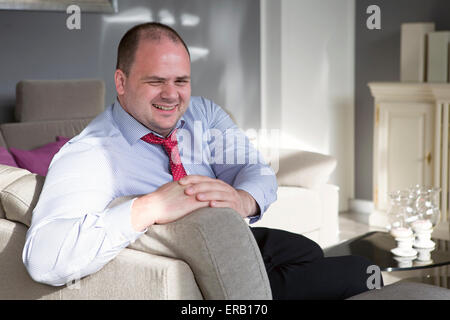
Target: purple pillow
(37,160)
(6,158)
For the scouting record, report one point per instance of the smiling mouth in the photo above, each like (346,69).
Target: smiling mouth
(165,108)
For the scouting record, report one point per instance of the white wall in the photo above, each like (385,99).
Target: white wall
(308,79)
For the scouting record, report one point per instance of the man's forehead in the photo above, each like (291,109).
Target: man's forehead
(163,41)
(160,78)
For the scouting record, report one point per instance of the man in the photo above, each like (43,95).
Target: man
(133,148)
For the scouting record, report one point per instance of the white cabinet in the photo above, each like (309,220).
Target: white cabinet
(410,141)
(404,147)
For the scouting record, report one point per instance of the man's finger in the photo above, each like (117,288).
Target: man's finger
(206,186)
(220,204)
(194,179)
(215,195)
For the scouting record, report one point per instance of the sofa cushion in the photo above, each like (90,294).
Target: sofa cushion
(31,135)
(39,100)
(6,158)
(20,197)
(37,160)
(303,168)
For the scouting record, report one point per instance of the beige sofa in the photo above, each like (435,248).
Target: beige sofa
(196,257)
(183,260)
(159,265)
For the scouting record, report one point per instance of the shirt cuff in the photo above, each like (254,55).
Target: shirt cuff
(258,195)
(117,222)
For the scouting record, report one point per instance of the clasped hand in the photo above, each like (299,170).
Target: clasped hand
(217,193)
(174,200)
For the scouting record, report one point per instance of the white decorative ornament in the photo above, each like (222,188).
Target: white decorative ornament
(405,240)
(423,230)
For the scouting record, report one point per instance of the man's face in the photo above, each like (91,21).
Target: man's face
(157,90)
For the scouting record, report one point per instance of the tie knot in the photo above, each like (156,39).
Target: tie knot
(168,143)
(170,146)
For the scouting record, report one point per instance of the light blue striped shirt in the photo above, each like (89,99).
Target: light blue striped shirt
(74,233)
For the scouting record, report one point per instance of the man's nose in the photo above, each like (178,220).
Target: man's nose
(169,92)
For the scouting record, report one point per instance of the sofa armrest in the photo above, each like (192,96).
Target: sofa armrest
(131,275)
(8,175)
(220,249)
(303,168)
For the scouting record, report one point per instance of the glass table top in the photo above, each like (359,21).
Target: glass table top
(376,246)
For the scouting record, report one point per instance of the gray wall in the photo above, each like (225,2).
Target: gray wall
(37,45)
(377,58)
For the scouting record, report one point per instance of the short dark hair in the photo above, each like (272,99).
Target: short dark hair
(145,31)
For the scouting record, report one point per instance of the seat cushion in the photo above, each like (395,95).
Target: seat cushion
(405,291)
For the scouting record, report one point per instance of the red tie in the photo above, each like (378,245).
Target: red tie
(171,147)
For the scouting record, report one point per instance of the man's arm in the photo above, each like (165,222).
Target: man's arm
(73,233)
(238,164)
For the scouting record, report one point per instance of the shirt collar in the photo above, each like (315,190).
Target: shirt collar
(132,129)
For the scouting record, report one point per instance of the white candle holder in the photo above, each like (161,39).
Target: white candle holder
(423,229)
(405,240)
(404,262)
(424,256)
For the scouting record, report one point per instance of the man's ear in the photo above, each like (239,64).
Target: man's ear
(120,79)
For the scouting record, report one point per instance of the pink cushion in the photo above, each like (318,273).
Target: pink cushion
(38,160)
(6,158)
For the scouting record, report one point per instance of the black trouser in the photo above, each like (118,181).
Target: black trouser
(297,268)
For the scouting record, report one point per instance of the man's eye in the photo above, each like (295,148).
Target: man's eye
(181,82)
(155,83)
